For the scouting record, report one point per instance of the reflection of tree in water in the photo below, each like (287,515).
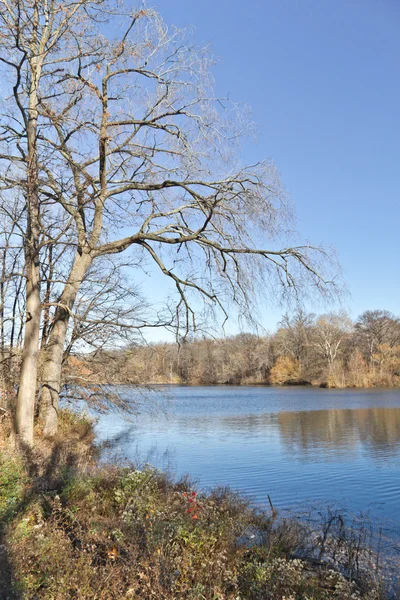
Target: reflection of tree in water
(323,434)
(376,429)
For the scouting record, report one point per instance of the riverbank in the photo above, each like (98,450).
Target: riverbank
(290,383)
(394,384)
(320,354)
(72,528)
(129,369)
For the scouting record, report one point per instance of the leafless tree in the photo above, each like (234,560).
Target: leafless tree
(11,296)
(36,38)
(294,335)
(329,334)
(334,359)
(376,327)
(120,145)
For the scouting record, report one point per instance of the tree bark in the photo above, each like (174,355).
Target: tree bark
(27,388)
(28,377)
(54,353)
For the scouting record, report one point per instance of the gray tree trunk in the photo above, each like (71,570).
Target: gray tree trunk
(51,380)
(28,378)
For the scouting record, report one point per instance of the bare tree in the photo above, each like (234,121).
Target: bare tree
(11,295)
(35,39)
(121,145)
(329,335)
(294,335)
(376,327)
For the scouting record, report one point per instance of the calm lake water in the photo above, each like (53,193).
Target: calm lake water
(297,445)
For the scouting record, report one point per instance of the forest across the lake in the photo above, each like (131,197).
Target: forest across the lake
(328,350)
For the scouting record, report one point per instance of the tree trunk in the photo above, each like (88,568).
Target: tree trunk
(28,377)
(51,381)
(27,388)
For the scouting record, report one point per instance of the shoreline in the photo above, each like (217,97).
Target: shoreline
(321,386)
(82,530)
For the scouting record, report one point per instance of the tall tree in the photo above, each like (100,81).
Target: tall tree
(294,334)
(133,152)
(34,38)
(376,327)
(330,333)
(11,295)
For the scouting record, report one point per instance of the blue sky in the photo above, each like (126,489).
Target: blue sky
(323,81)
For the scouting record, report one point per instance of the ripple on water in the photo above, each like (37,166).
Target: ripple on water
(296,444)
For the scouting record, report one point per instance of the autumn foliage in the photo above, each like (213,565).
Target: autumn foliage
(285,369)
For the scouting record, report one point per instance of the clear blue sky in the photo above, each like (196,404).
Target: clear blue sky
(323,81)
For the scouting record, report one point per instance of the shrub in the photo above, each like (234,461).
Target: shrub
(285,369)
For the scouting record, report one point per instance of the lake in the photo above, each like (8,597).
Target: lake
(299,445)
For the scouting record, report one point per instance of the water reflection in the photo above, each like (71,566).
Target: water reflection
(274,441)
(325,432)
(376,429)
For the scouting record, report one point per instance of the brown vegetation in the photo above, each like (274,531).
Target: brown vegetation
(328,350)
(285,369)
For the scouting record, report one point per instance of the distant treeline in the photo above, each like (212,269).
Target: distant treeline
(329,350)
